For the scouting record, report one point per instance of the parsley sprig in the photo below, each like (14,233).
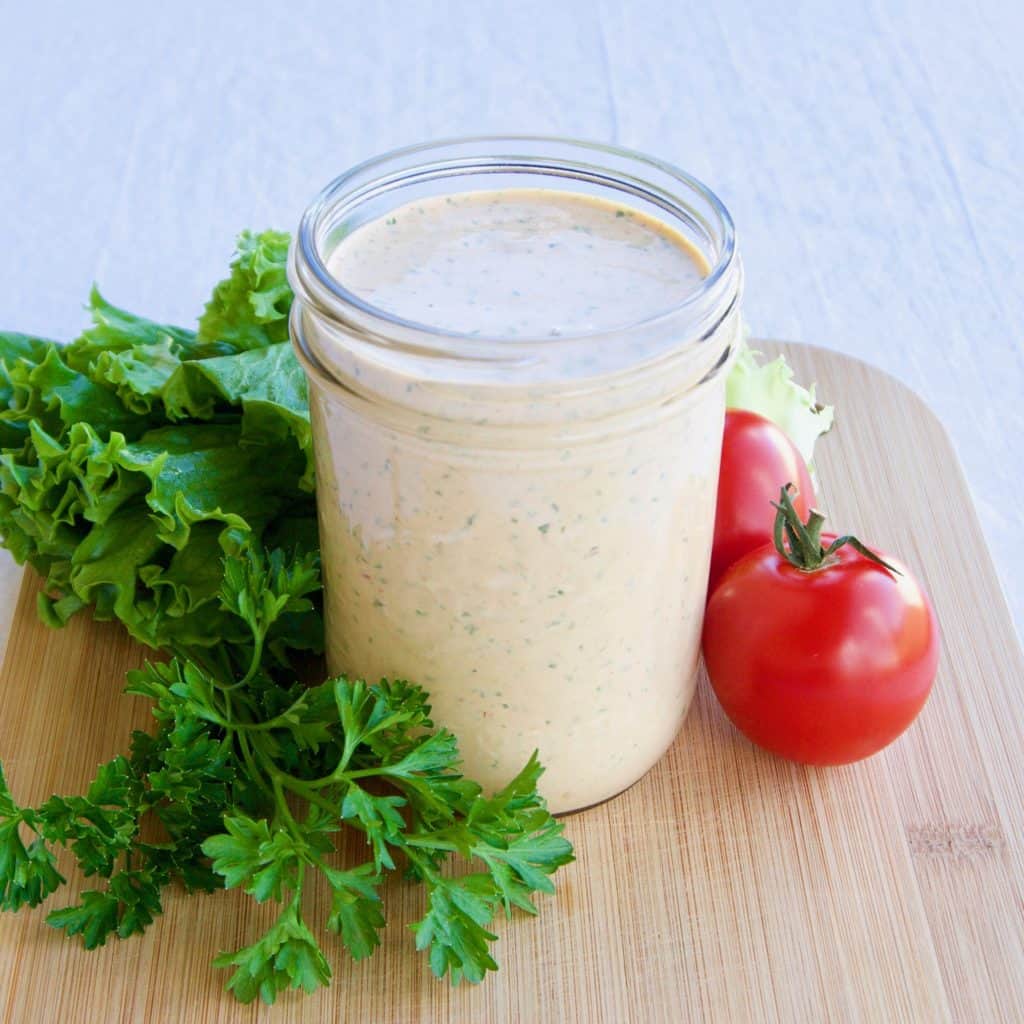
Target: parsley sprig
(246,784)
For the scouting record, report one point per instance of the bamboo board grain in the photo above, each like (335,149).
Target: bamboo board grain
(725,886)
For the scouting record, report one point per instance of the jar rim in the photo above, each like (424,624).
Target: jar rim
(497,153)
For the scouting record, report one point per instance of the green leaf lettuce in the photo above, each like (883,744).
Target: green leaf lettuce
(768,388)
(138,457)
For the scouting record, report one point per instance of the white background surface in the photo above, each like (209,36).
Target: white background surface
(871,155)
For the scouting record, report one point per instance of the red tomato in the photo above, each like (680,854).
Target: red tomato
(757,460)
(823,667)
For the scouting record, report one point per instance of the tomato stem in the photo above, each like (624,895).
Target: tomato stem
(800,543)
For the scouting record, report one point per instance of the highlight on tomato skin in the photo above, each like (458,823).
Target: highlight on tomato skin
(824,667)
(758,458)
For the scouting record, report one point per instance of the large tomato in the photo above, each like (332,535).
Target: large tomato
(757,460)
(826,665)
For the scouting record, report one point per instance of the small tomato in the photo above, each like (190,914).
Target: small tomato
(821,652)
(757,460)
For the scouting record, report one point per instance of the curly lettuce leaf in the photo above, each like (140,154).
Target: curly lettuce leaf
(17,346)
(249,309)
(115,330)
(769,389)
(137,458)
(139,529)
(56,396)
(138,378)
(268,384)
(27,351)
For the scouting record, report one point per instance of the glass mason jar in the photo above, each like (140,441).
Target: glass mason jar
(521,525)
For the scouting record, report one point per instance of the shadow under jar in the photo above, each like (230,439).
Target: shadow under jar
(517,350)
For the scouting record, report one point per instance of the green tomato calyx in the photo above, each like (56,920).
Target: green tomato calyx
(800,543)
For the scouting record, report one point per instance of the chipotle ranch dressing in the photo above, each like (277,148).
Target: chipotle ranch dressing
(548,598)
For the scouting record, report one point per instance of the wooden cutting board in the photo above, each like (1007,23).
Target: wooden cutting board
(726,886)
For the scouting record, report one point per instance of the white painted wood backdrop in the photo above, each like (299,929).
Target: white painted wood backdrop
(871,155)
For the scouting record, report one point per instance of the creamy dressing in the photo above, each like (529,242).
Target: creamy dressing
(549,595)
(522,263)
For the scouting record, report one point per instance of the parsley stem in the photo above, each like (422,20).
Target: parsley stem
(279,721)
(341,775)
(285,812)
(254,666)
(300,874)
(250,762)
(422,864)
(302,788)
